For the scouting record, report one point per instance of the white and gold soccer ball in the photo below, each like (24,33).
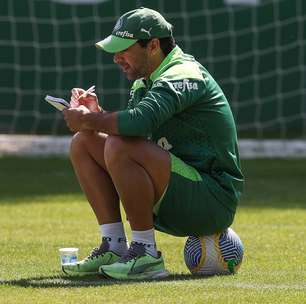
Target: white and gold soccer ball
(214,254)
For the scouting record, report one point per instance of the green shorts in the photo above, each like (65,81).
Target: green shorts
(188,208)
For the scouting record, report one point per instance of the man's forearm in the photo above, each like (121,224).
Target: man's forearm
(105,122)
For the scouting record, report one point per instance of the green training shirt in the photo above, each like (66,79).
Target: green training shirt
(182,109)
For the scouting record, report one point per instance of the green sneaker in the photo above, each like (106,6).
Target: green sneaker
(90,265)
(136,264)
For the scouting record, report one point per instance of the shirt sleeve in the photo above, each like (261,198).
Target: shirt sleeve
(159,104)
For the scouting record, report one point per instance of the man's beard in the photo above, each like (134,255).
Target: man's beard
(136,73)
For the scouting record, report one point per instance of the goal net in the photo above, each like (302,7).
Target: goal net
(255,49)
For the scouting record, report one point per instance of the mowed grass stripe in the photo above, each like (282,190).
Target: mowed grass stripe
(42,209)
(202,282)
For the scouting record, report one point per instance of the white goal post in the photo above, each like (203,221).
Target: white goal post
(45,145)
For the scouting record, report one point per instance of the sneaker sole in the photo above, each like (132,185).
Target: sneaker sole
(160,274)
(75,273)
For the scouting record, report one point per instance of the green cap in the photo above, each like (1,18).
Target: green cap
(141,23)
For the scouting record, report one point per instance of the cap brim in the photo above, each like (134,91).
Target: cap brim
(114,44)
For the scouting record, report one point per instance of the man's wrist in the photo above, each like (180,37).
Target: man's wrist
(85,121)
(92,120)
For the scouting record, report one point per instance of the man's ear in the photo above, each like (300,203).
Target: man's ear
(154,46)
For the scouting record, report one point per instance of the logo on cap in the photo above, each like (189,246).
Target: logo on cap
(124,34)
(148,32)
(118,25)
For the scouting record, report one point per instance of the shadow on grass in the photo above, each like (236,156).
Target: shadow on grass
(276,183)
(88,281)
(35,177)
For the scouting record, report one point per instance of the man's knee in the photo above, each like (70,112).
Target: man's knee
(78,143)
(83,141)
(115,146)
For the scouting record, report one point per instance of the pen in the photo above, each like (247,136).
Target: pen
(90,90)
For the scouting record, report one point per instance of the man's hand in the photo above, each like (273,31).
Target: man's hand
(74,118)
(89,100)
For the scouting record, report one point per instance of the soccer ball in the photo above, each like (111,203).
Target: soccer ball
(214,254)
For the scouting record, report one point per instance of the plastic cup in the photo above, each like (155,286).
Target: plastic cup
(68,255)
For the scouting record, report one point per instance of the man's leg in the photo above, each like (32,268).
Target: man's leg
(140,171)
(87,157)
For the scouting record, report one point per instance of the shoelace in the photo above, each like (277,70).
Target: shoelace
(95,253)
(135,250)
(98,251)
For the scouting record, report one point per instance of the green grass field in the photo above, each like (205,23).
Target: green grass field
(43,209)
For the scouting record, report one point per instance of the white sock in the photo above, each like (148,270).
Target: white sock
(114,232)
(146,237)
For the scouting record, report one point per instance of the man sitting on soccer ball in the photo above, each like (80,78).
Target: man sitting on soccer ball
(170,158)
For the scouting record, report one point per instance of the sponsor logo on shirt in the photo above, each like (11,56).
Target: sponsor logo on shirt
(123,34)
(184,85)
(157,84)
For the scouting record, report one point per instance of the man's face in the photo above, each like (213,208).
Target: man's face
(134,62)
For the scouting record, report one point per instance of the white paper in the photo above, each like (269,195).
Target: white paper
(58,103)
